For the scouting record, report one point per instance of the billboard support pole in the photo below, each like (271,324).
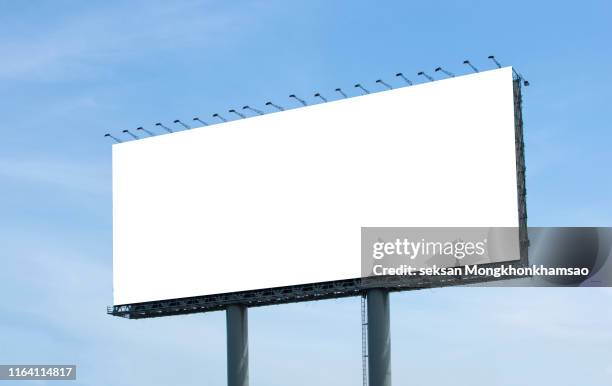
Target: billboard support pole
(379,338)
(237,345)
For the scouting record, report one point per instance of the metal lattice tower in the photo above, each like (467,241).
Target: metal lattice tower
(364,339)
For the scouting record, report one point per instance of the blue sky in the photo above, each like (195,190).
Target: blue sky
(71,71)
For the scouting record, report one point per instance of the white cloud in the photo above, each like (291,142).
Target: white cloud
(58,303)
(84,44)
(561,314)
(54,173)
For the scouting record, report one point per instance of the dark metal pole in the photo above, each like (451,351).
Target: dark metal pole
(237,346)
(379,338)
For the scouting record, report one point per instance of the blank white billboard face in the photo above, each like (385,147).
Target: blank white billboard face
(280,199)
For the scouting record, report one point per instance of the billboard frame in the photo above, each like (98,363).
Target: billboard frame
(349,287)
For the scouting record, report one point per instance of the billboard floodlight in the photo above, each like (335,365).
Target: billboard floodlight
(237,113)
(126,131)
(113,137)
(318,95)
(169,130)
(341,92)
(471,65)
(448,73)
(252,109)
(201,121)
(220,117)
(146,131)
(384,84)
(182,124)
(495,61)
(520,77)
(400,75)
(358,85)
(275,105)
(298,99)
(422,73)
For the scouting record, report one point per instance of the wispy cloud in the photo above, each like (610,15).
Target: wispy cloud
(59,174)
(67,309)
(559,314)
(85,43)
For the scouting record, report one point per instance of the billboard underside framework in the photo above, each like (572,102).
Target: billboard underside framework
(280,199)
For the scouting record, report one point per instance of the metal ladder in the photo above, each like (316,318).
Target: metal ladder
(364,338)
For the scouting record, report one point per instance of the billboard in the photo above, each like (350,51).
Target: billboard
(280,199)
